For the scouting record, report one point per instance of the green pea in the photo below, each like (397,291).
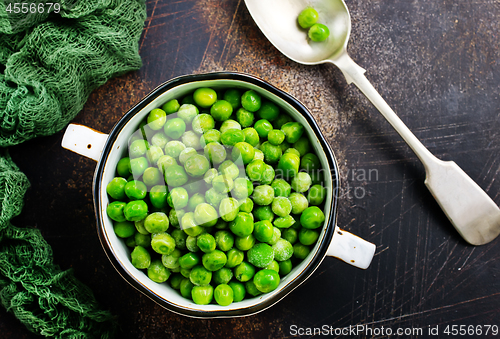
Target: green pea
(263,195)
(242,225)
(276,137)
(293,131)
(151,176)
(138,148)
(308,237)
(242,188)
(281,120)
(212,135)
(301,182)
(139,226)
(154,153)
(222,276)
(244,117)
(283,250)
(191,139)
(234,258)
(123,167)
(156,222)
(290,234)
(284,222)
(308,17)
(299,202)
(124,229)
(281,206)
(189,260)
(318,32)
(135,190)
(171,261)
(174,148)
(135,210)
(232,137)
(143,240)
(255,169)
(271,152)
(188,99)
(301,251)
(221,110)
(251,101)
(202,295)
(215,152)
(175,217)
(285,267)
(171,106)
(116,188)
(157,272)
(266,280)
(209,176)
(224,240)
(197,165)
(187,112)
(203,123)
(222,184)
(159,139)
(243,150)
(258,154)
(268,111)
(140,257)
(206,242)
(162,243)
(229,124)
(175,176)
(239,290)
(174,128)
(244,271)
(191,244)
(273,266)
(288,165)
(186,153)
(263,230)
(312,218)
(156,119)
(264,213)
(186,272)
(186,287)
(251,136)
(204,215)
(200,275)
(164,162)
(244,243)
(221,224)
(175,281)
(214,260)
(281,188)
(302,145)
(246,205)
(230,169)
(180,237)
(138,166)
(204,97)
(310,162)
(268,175)
(252,289)
(316,195)
(263,127)
(224,295)
(260,255)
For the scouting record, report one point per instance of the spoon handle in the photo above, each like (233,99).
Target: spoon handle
(471,211)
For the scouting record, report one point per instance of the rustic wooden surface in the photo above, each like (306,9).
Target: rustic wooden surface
(437,65)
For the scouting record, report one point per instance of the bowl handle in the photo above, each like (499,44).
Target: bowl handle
(351,249)
(84,140)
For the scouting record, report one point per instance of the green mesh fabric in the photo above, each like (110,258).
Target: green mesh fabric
(49,64)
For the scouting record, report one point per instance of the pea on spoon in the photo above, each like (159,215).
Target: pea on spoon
(471,211)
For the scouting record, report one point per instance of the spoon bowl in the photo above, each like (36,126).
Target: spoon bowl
(472,212)
(278,22)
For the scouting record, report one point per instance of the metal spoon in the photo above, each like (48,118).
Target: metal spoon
(473,213)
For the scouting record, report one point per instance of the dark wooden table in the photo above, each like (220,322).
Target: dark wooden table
(437,63)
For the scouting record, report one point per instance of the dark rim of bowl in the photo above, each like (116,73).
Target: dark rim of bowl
(331,222)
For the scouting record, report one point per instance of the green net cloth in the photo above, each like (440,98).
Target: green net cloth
(49,64)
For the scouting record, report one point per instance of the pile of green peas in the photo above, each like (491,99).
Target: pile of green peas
(220,193)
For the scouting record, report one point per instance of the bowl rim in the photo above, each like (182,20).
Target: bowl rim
(331,222)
